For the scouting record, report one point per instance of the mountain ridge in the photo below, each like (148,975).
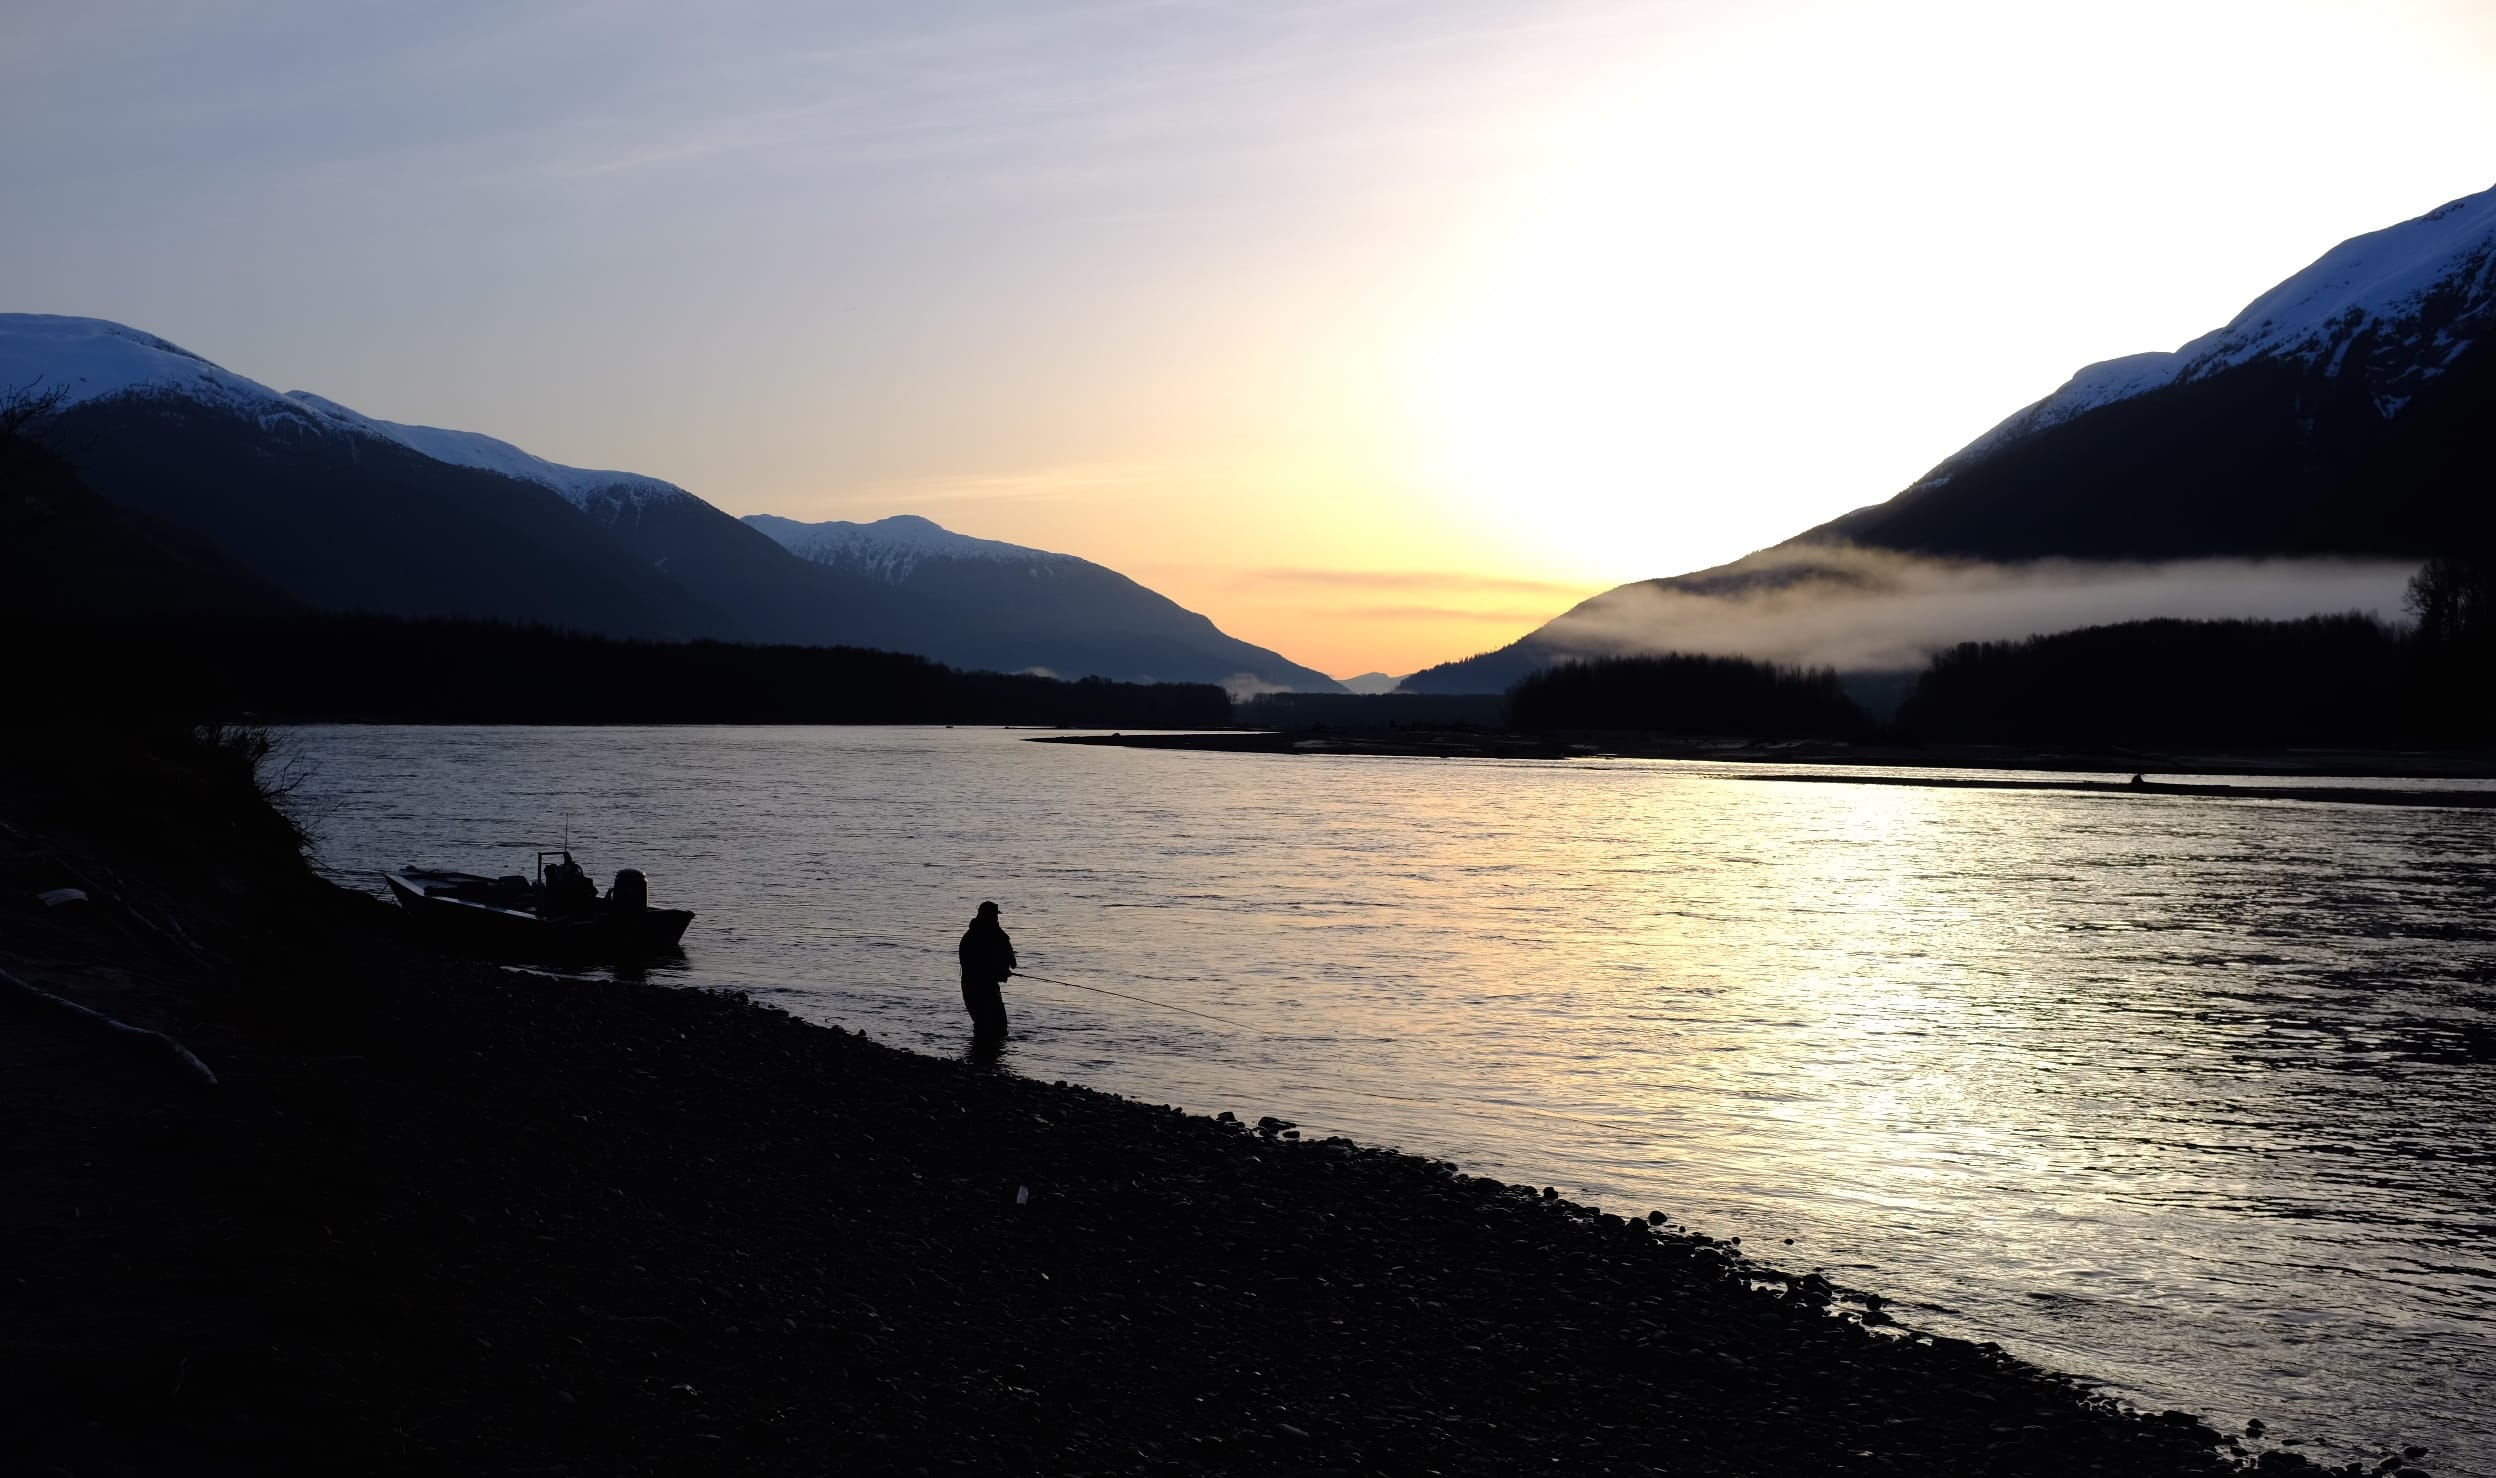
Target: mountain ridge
(2316,311)
(346,511)
(1012,602)
(890,547)
(2337,416)
(491,454)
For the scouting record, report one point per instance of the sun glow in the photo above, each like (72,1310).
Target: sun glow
(1431,296)
(1786,272)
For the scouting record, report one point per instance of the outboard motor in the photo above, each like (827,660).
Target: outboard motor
(631,891)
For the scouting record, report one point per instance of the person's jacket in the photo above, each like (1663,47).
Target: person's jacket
(987,951)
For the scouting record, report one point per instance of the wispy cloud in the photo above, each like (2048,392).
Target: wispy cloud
(1436,580)
(1869,610)
(1509,619)
(1503,605)
(1118,78)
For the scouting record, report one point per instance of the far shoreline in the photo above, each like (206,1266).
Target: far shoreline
(2284,764)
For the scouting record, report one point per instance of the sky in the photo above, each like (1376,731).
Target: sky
(1380,331)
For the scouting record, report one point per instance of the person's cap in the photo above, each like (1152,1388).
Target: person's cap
(987,908)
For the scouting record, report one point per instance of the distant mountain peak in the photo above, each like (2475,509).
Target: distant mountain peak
(890,548)
(336,509)
(90,359)
(2300,458)
(578,485)
(2408,299)
(66,329)
(93,359)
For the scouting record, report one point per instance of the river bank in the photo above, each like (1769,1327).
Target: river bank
(2286,765)
(437,1217)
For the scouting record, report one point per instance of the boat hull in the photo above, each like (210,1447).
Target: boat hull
(496,930)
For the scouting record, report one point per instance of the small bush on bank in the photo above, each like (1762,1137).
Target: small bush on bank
(193,792)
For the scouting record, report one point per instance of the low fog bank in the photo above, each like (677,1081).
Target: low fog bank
(1246,687)
(1862,610)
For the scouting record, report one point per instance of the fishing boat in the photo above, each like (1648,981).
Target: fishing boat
(559,914)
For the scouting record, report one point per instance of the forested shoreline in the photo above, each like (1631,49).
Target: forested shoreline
(2349,681)
(380,669)
(2341,681)
(2326,680)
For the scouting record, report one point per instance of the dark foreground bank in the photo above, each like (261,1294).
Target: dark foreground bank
(441,1218)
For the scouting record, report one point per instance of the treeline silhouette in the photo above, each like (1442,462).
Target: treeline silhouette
(1684,694)
(1370,710)
(2344,681)
(379,669)
(2324,680)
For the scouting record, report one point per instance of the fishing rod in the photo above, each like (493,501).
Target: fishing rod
(929,949)
(1140,1000)
(1338,1084)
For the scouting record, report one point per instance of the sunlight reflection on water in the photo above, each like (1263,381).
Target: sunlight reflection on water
(2187,1095)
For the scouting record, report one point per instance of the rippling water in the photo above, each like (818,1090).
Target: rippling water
(2189,1096)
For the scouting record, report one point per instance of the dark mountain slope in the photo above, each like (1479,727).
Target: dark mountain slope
(2348,413)
(984,603)
(1081,618)
(764,593)
(772,595)
(346,522)
(2267,458)
(68,553)
(344,511)
(2429,488)
(901,583)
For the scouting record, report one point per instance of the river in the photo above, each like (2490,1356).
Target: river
(2188,1096)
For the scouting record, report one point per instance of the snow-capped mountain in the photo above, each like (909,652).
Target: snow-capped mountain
(2404,302)
(86,360)
(90,359)
(345,511)
(889,548)
(580,486)
(763,595)
(1007,605)
(2348,414)
(326,510)
(2332,415)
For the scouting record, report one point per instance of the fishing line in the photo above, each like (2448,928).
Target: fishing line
(1122,995)
(1336,1084)
(929,949)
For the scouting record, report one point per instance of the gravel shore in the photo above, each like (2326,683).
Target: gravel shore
(440,1218)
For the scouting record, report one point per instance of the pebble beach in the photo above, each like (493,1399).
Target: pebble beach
(437,1217)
